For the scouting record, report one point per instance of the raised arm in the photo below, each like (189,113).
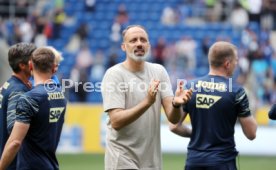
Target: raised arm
(172,105)
(120,118)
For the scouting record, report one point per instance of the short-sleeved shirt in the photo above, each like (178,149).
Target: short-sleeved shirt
(137,145)
(44,111)
(54,78)
(215,105)
(9,94)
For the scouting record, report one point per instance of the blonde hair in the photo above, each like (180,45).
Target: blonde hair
(57,54)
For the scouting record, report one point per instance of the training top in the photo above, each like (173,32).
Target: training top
(43,108)
(214,107)
(10,92)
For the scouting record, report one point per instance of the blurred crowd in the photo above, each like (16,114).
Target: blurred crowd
(44,22)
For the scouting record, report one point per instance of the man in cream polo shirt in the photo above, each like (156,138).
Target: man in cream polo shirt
(133,92)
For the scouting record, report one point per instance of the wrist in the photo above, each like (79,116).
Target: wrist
(175,105)
(148,102)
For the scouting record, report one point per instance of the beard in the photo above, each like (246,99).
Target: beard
(139,58)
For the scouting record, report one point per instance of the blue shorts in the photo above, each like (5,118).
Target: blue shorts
(231,165)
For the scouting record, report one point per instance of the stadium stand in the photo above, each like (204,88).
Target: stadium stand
(102,27)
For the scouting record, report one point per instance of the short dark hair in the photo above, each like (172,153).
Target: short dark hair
(20,53)
(131,26)
(219,52)
(43,59)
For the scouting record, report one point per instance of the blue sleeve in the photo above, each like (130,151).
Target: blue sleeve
(12,100)
(272,112)
(242,104)
(26,108)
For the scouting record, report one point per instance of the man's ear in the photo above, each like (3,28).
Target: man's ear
(227,64)
(30,65)
(54,69)
(123,46)
(22,66)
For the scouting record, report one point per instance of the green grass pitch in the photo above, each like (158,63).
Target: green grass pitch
(170,162)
